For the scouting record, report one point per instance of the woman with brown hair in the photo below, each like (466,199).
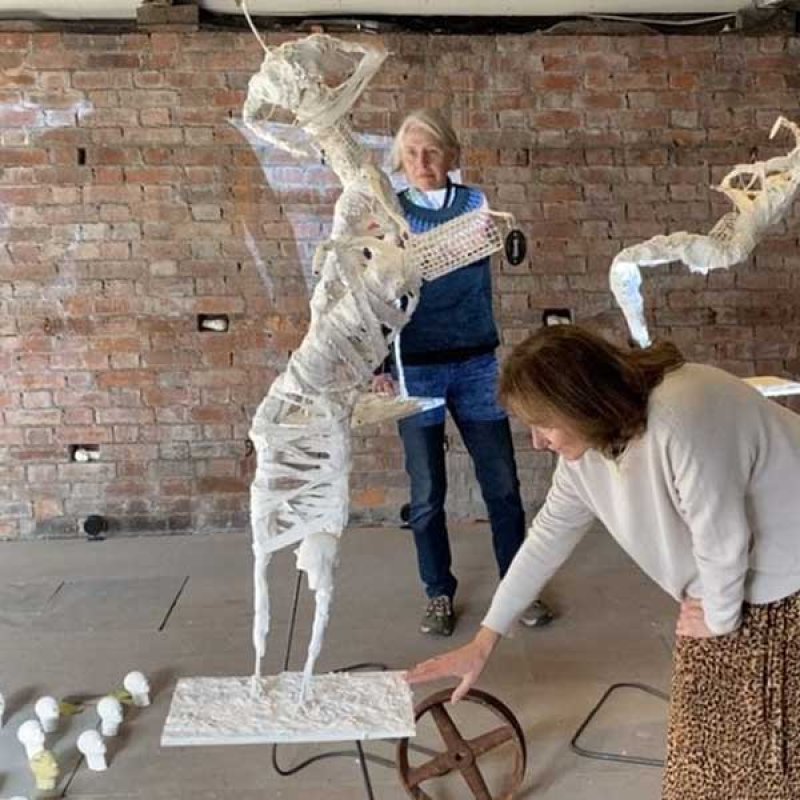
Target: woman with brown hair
(697,476)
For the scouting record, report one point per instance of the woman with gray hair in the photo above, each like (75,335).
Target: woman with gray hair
(448,351)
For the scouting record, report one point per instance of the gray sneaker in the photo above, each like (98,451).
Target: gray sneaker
(439,619)
(537,615)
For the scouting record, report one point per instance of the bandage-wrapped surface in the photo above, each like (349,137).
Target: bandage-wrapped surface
(762,194)
(370,271)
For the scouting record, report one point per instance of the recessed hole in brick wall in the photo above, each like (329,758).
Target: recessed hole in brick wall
(556,316)
(84,453)
(81,156)
(213,323)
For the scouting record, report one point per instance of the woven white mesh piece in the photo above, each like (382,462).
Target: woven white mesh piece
(461,241)
(762,194)
(370,271)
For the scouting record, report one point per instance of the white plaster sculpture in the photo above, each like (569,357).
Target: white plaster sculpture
(45,770)
(109,709)
(93,748)
(139,688)
(48,712)
(31,736)
(370,271)
(762,194)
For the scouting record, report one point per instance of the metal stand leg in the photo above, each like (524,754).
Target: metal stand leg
(359,753)
(601,755)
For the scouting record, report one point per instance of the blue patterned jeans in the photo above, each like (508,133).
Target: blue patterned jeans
(469,389)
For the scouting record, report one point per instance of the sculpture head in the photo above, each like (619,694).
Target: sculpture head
(91,743)
(316,79)
(47,710)
(45,769)
(109,710)
(31,735)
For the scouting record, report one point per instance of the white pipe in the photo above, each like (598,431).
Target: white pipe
(126,9)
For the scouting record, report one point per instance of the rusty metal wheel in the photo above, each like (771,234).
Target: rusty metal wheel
(462,754)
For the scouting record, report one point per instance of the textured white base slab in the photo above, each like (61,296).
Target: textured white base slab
(771,386)
(342,706)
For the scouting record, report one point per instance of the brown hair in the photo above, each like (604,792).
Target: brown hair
(563,372)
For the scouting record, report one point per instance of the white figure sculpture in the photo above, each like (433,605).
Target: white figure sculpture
(109,709)
(370,273)
(93,748)
(48,712)
(31,736)
(762,194)
(138,687)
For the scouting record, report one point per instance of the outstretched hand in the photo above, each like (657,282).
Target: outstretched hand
(465,662)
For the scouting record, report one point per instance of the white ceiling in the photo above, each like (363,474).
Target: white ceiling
(126,9)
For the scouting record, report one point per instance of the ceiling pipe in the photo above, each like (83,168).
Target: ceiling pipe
(126,9)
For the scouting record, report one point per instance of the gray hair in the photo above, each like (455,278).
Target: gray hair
(432,122)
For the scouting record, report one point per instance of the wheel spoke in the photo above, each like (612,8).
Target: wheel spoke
(488,741)
(472,775)
(434,768)
(444,722)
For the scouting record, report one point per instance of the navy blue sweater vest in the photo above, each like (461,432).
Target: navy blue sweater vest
(454,319)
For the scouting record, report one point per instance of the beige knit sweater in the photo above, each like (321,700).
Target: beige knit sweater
(706,502)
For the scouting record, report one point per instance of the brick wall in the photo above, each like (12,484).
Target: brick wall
(131,203)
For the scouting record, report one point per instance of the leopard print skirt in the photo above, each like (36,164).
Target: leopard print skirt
(734,728)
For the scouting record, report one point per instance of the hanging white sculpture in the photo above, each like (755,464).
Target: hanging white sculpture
(762,194)
(370,272)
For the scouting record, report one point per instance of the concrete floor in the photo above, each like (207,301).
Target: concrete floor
(76,616)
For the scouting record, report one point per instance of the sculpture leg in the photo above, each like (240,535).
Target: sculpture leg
(322,608)
(261,602)
(317,557)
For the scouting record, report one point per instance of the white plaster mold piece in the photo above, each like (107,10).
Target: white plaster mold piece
(773,386)
(48,713)
(93,748)
(340,706)
(762,194)
(109,709)
(137,685)
(31,736)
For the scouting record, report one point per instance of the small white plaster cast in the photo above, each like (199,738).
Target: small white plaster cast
(31,736)
(761,193)
(92,746)
(47,711)
(139,687)
(109,709)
